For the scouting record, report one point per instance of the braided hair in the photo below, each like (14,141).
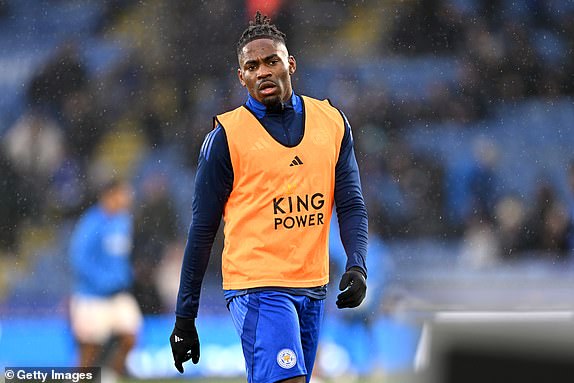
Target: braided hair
(261,28)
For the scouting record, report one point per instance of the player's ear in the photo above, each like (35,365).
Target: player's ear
(240,75)
(292,65)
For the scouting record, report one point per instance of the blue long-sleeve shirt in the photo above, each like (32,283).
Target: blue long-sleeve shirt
(214,181)
(100,247)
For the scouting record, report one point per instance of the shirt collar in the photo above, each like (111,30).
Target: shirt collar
(260,110)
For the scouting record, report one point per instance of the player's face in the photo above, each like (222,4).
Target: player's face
(265,69)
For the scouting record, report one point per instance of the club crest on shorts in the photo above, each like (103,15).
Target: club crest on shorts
(286,358)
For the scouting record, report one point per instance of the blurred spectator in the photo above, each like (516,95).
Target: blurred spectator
(438,28)
(411,192)
(35,146)
(520,72)
(480,246)
(101,309)
(120,148)
(10,214)
(472,93)
(491,11)
(112,11)
(482,179)
(81,123)
(547,222)
(472,185)
(167,275)
(68,190)
(62,75)
(155,230)
(509,223)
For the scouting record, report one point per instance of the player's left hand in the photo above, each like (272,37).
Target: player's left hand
(184,342)
(354,289)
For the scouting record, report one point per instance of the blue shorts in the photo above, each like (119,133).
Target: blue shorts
(279,334)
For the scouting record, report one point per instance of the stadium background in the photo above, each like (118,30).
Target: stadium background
(462,114)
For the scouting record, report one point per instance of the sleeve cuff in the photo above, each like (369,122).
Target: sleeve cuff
(185,324)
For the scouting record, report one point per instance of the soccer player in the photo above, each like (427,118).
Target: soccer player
(273,168)
(101,306)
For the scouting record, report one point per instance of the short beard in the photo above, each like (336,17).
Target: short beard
(271,101)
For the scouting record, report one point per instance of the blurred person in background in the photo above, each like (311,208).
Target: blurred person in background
(155,229)
(63,75)
(361,321)
(10,212)
(510,214)
(35,146)
(273,168)
(547,222)
(102,309)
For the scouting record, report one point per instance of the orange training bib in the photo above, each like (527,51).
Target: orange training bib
(278,213)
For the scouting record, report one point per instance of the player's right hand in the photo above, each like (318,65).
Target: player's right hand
(184,342)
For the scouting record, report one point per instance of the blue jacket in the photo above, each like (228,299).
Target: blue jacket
(100,251)
(214,180)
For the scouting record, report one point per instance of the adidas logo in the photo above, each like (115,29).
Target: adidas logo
(178,339)
(296,161)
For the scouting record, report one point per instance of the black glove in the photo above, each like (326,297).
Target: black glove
(184,342)
(354,286)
